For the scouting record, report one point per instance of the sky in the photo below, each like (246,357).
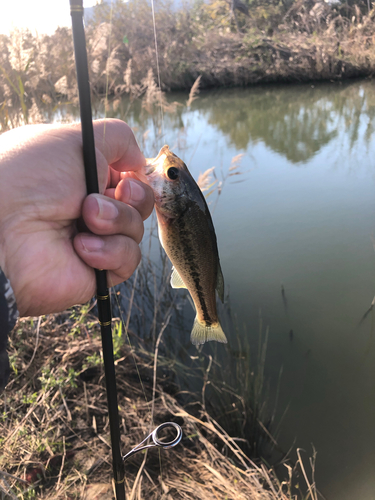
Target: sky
(42,16)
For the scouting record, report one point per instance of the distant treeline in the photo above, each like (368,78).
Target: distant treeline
(226,42)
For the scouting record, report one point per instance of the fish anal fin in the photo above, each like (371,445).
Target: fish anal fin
(202,333)
(220,283)
(176,280)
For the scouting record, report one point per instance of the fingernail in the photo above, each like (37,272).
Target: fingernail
(137,193)
(107,210)
(92,243)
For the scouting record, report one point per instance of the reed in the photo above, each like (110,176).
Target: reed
(278,42)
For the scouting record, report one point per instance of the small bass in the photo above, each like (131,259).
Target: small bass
(188,236)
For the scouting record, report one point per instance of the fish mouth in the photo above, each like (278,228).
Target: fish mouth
(145,173)
(149,169)
(156,163)
(163,151)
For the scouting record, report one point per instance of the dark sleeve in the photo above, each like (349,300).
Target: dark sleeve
(8,318)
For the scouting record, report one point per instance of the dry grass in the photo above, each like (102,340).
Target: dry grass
(194,91)
(54,425)
(302,42)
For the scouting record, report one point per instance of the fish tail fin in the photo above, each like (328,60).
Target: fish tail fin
(202,333)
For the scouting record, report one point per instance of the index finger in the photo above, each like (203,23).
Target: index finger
(115,140)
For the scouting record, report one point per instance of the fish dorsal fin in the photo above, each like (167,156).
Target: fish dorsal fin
(176,280)
(220,283)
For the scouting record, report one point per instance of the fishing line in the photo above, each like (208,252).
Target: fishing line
(125,327)
(102,291)
(152,435)
(107,77)
(157,67)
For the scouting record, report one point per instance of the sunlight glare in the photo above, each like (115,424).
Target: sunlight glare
(41,16)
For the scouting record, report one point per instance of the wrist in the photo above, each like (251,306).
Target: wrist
(9,259)
(8,306)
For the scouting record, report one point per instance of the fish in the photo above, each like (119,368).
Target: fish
(187,234)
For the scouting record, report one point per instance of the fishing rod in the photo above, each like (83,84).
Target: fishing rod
(102,294)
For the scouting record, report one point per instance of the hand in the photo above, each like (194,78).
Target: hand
(43,195)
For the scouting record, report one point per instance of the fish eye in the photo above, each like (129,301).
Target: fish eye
(172,173)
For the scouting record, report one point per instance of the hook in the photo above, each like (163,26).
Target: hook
(156,441)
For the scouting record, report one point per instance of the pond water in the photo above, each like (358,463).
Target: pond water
(302,217)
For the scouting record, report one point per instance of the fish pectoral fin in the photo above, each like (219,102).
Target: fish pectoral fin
(202,333)
(176,280)
(220,283)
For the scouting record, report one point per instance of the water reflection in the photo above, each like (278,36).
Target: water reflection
(294,121)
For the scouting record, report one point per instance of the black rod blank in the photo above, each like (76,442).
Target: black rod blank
(103,299)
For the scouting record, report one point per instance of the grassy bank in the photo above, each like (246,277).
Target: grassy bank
(275,42)
(54,424)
